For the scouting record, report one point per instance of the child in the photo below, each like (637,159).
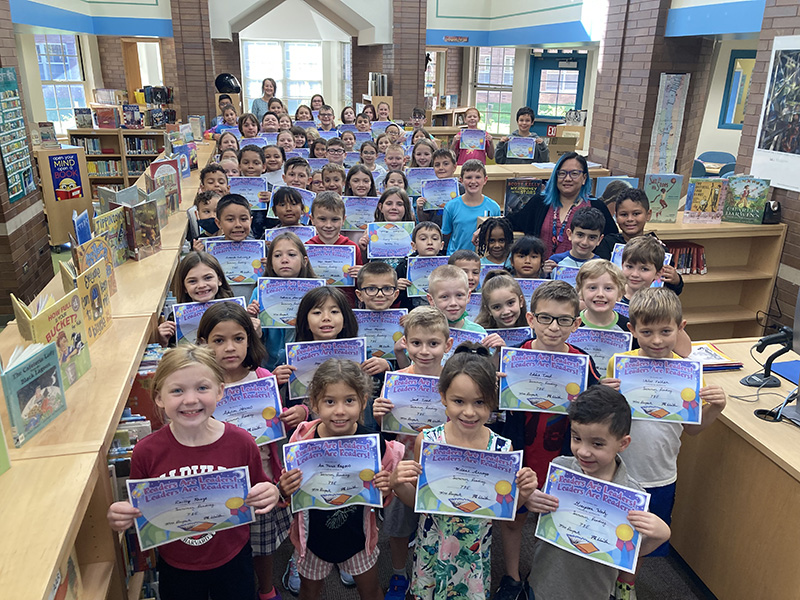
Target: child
(318,148)
(316,184)
(248,126)
(300,138)
(251,161)
(468,386)
(359,182)
(656,320)
(229,119)
(369,110)
(270,123)
(187,386)
(199,278)
(226,328)
(347,536)
(334,151)
(303,113)
(276,106)
(426,240)
(349,140)
(426,337)
(600,284)
(502,303)
(470,263)
(422,134)
(288,207)
(226,140)
(448,290)
(443,162)
(326,121)
(541,153)
(472,117)
(368,153)
(383,143)
(234,219)
(422,154)
(394,205)
(362,122)
(392,131)
(396,179)
(297,172)
(495,238)
(348,115)
(201,218)
(417,119)
(213,178)
(222,100)
(333,176)
(285,122)
(384,111)
(285,141)
(526,257)
(642,263)
(601,425)
(231,164)
(461,214)
(273,164)
(395,157)
(584,233)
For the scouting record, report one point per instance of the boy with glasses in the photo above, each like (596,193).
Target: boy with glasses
(335,151)
(326,122)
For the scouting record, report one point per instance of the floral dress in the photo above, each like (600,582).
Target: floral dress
(452,554)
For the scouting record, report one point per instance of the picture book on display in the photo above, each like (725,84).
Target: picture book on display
(160,197)
(519,191)
(664,193)
(187,156)
(107,118)
(602,183)
(83,231)
(95,300)
(33,389)
(142,225)
(83,118)
(132,117)
(705,200)
(111,226)
(108,196)
(745,200)
(166,173)
(60,322)
(86,254)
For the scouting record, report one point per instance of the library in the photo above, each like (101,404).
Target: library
(118,105)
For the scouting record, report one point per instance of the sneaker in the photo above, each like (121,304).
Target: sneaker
(291,578)
(510,589)
(398,586)
(347,579)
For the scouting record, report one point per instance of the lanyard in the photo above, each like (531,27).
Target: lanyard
(558,234)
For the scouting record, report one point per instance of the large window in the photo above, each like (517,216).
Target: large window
(494,77)
(295,66)
(558,92)
(61,72)
(347,74)
(430,75)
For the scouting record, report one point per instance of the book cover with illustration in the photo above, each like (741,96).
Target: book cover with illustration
(519,191)
(95,300)
(705,200)
(159,196)
(187,157)
(33,389)
(142,229)
(132,117)
(746,198)
(111,226)
(86,254)
(166,173)
(108,196)
(83,118)
(60,322)
(664,193)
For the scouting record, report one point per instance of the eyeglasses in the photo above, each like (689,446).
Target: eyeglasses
(335,151)
(572,174)
(545,319)
(386,290)
(325,115)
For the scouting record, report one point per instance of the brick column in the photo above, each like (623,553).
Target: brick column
(366,60)
(226,57)
(194,85)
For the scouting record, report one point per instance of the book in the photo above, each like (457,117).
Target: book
(67,584)
(745,199)
(519,191)
(83,118)
(107,196)
(160,197)
(186,132)
(5,461)
(142,228)
(198,126)
(107,118)
(664,193)
(187,156)
(131,116)
(712,358)
(705,200)
(166,173)
(86,254)
(33,389)
(83,231)
(95,299)
(60,322)
(602,183)
(47,134)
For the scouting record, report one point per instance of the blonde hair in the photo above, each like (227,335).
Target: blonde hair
(337,370)
(186,355)
(644,250)
(429,318)
(447,273)
(653,305)
(592,269)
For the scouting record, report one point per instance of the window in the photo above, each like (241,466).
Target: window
(295,66)
(558,91)
(430,75)
(737,87)
(347,74)
(61,72)
(494,76)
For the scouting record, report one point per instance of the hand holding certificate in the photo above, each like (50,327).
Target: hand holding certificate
(332,263)
(307,356)
(521,147)
(382,329)
(417,403)
(389,240)
(472,139)
(240,261)
(541,381)
(279,298)
(438,192)
(255,406)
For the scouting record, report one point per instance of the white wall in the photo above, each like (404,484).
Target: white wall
(711,136)
(293,20)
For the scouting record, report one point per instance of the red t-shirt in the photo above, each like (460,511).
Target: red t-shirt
(161,455)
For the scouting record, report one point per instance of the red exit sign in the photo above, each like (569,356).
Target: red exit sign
(551,131)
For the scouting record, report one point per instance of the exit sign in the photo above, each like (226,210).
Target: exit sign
(551,131)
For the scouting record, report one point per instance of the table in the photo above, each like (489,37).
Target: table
(712,168)
(736,514)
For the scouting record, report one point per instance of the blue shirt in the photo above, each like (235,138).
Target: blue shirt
(460,221)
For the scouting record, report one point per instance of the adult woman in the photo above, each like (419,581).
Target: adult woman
(260,106)
(548,215)
(317,101)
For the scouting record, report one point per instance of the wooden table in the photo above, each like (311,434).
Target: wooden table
(712,168)
(736,514)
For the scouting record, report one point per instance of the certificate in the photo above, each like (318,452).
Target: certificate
(271,138)
(513,336)
(382,329)
(259,141)
(304,232)
(389,240)
(255,406)
(328,135)
(661,389)
(485,270)
(358,212)
(187,317)
(307,356)
(568,274)
(419,270)
(301,152)
(541,381)
(379,127)
(521,147)
(332,263)
(278,299)
(347,127)
(592,518)
(306,124)
(465,482)
(417,403)
(317,163)
(179,507)
(351,159)
(361,137)
(240,261)
(473,306)
(621,308)
(415,176)
(528,286)
(250,188)
(472,139)
(601,344)
(337,471)
(460,336)
(438,192)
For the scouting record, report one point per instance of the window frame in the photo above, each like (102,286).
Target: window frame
(494,87)
(61,125)
(725,104)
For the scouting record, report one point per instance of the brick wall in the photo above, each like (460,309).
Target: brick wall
(366,60)
(226,57)
(112,66)
(406,65)
(194,85)
(453,71)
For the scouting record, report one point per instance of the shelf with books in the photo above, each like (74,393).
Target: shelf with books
(118,146)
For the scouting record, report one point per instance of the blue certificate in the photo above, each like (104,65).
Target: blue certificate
(418,271)
(473,306)
(540,381)
(250,188)
(337,471)
(174,508)
(328,135)
(317,163)
(521,147)
(270,137)
(621,308)
(601,344)
(187,317)
(259,141)
(382,329)
(304,232)
(307,195)
(358,212)
(306,124)
(474,483)
(379,127)
(417,403)
(616,258)
(351,159)
(234,129)
(568,274)
(514,337)
(462,335)
(472,139)
(361,137)
(279,298)
(307,356)
(347,127)
(389,240)
(255,406)
(240,261)
(485,269)
(438,192)
(415,176)
(592,518)
(661,389)
(332,263)
(528,286)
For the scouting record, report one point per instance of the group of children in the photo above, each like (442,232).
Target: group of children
(451,555)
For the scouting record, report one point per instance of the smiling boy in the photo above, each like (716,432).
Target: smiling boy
(461,214)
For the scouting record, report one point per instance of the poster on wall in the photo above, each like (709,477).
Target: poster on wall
(672,91)
(65,170)
(13,138)
(777,153)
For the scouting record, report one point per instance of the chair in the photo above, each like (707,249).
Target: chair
(717,157)
(699,169)
(727,168)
